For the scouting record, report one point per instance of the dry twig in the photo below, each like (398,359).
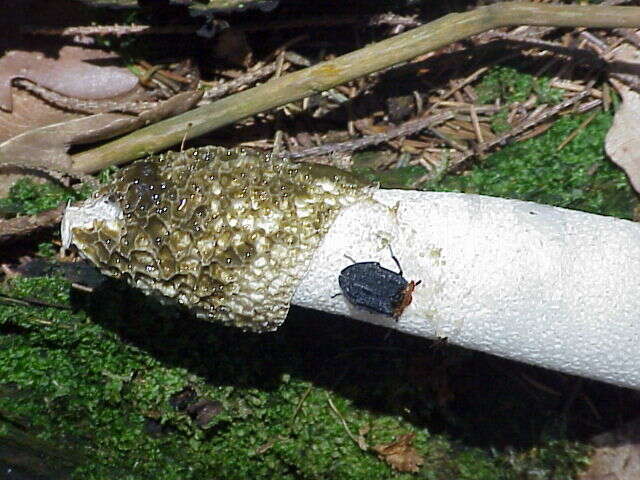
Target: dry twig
(407,128)
(533,119)
(15,229)
(247,79)
(82,105)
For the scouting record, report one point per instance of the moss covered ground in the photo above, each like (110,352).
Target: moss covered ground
(105,381)
(109,387)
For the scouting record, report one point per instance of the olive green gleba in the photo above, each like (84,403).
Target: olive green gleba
(229,233)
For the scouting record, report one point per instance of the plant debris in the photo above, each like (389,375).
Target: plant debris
(623,143)
(46,148)
(400,454)
(196,6)
(70,74)
(617,454)
(44,101)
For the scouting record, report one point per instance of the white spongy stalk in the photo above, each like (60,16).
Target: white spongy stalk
(94,209)
(543,285)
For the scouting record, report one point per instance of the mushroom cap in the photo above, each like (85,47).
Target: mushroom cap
(229,233)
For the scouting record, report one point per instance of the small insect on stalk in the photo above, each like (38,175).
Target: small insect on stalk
(374,288)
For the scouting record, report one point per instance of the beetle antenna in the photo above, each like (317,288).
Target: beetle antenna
(395,260)
(350,258)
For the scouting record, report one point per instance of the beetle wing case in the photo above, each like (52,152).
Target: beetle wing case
(369,286)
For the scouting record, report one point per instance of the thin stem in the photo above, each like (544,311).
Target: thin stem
(406,128)
(326,75)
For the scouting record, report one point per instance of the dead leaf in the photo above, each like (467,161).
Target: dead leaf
(622,143)
(32,109)
(46,147)
(360,438)
(30,112)
(617,455)
(15,229)
(625,63)
(400,454)
(70,74)
(232,46)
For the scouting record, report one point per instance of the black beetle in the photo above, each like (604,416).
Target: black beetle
(374,288)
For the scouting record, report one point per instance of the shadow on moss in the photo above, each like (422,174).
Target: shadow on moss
(482,400)
(111,379)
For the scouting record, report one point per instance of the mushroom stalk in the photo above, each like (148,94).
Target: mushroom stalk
(237,237)
(542,285)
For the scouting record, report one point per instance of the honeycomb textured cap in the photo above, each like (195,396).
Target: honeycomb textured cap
(229,233)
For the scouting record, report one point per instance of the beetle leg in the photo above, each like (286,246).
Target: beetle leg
(396,260)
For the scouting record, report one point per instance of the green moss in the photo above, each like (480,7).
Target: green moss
(47,250)
(499,123)
(561,458)
(578,176)
(510,85)
(104,391)
(108,370)
(107,174)
(27,197)
(403,177)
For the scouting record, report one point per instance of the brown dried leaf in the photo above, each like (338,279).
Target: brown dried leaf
(622,143)
(46,147)
(625,63)
(400,454)
(232,46)
(70,74)
(617,455)
(361,437)
(30,112)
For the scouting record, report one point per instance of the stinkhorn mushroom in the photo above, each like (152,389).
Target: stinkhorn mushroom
(239,237)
